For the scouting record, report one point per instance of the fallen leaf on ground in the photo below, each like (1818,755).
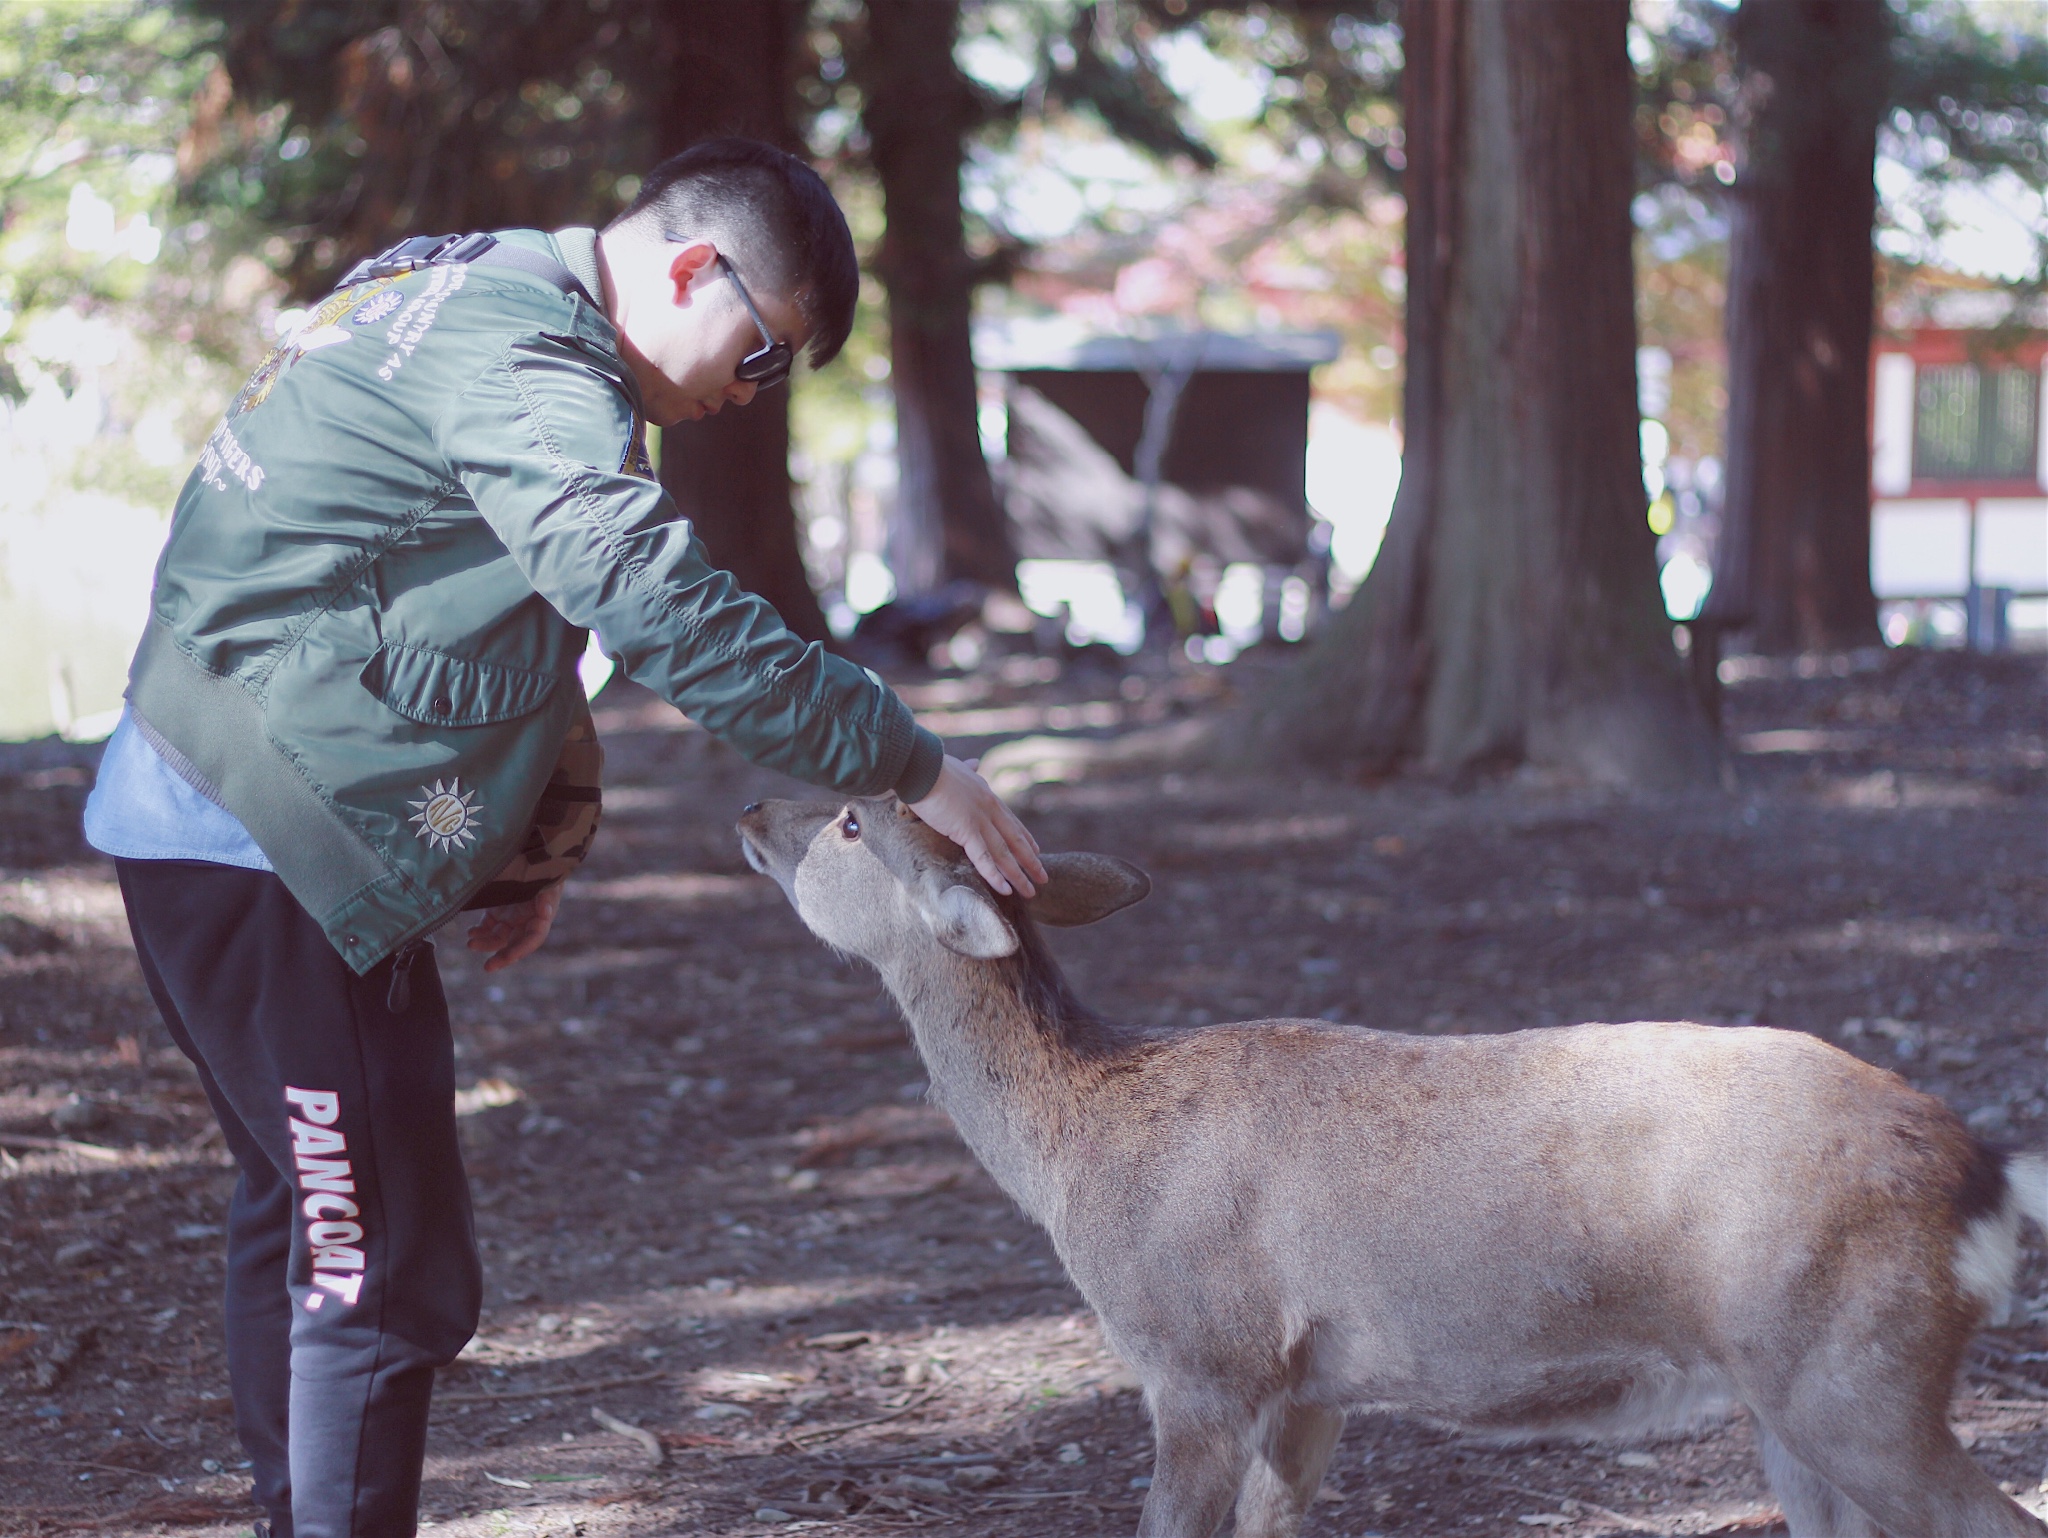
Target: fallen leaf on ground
(840,1340)
(646,1441)
(693,1439)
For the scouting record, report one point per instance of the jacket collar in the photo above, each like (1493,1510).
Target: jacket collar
(577,248)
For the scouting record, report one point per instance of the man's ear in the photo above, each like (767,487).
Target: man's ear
(966,922)
(1085,887)
(687,264)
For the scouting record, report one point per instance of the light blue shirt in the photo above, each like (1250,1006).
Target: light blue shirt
(143,809)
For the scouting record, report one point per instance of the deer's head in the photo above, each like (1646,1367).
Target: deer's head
(870,878)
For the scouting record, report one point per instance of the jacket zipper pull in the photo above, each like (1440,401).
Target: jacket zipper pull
(398,997)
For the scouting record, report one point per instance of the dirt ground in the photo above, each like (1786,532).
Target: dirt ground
(716,1212)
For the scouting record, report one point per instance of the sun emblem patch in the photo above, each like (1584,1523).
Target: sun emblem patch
(374,310)
(447,814)
(320,329)
(636,461)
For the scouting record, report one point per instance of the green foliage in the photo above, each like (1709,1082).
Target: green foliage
(1974,78)
(127,315)
(1332,73)
(114,301)
(1679,301)
(1686,85)
(1099,64)
(1969,105)
(363,120)
(89,130)
(1965,95)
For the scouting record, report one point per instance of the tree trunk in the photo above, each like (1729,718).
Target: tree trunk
(1513,613)
(947,523)
(731,69)
(1793,563)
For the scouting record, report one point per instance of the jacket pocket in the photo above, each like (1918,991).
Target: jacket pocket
(435,689)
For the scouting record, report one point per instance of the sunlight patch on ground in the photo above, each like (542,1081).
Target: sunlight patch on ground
(87,902)
(996,720)
(87,1157)
(1898,937)
(686,889)
(1802,740)
(1887,790)
(646,714)
(629,799)
(1265,832)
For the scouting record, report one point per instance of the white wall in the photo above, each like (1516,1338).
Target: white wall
(1920,547)
(1891,426)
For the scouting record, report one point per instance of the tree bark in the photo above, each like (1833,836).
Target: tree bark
(1513,614)
(731,70)
(1793,563)
(946,523)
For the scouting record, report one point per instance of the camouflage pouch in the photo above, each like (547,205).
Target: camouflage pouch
(564,822)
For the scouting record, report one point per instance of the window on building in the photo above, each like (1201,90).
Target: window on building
(1975,424)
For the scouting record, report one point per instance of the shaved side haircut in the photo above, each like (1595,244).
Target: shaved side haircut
(771,215)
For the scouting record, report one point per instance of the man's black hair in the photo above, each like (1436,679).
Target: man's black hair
(768,213)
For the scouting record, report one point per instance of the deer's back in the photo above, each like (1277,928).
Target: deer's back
(1515,1181)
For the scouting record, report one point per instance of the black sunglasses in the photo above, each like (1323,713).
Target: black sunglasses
(769,366)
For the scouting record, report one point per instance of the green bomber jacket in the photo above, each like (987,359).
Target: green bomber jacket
(381,574)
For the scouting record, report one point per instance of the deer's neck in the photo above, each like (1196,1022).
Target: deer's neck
(1000,1067)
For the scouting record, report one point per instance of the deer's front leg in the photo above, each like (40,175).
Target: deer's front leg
(1292,1447)
(1203,1450)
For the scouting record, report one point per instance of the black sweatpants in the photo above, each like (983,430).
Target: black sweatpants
(352,1262)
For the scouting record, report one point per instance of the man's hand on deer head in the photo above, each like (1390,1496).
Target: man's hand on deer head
(964,808)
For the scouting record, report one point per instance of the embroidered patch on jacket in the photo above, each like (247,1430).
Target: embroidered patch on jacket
(447,815)
(319,329)
(636,461)
(319,337)
(222,456)
(376,309)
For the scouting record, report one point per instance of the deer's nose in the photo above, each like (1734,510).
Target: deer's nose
(750,807)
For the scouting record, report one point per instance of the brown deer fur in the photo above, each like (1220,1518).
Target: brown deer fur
(1602,1229)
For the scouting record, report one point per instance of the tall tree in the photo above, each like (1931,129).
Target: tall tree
(918,108)
(724,68)
(1792,566)
(1513,613)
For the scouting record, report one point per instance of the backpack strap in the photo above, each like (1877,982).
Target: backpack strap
(487,250)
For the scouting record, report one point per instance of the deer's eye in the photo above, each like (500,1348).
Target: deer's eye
(850,829)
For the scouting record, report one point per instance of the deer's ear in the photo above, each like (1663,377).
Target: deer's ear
(967,922)
(1086,887)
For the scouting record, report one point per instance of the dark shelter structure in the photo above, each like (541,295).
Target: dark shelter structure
(1165,453)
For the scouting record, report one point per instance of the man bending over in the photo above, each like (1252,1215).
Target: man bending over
(356,712)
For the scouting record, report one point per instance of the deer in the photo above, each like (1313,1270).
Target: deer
(1589,1231)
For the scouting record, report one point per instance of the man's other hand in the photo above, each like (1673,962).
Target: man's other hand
(963,807)
(517,930)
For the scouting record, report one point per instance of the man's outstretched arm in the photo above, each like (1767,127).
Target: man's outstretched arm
(538,439)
